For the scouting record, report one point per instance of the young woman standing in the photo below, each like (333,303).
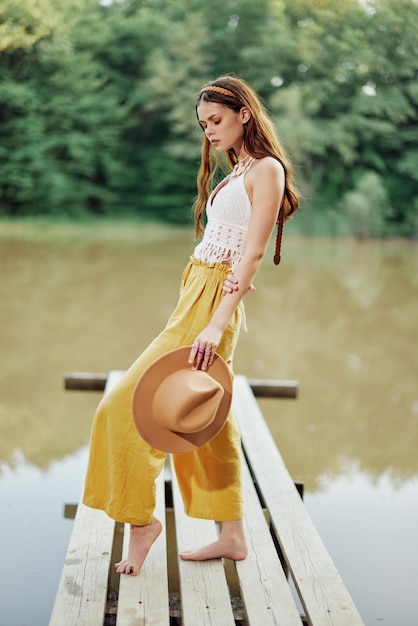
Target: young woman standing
(241,215)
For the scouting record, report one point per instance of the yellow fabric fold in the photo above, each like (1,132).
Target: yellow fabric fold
(122,467)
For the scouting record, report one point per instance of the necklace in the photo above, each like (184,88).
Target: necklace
(242,166)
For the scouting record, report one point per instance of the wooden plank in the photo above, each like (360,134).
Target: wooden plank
(82,591)
(323,594)
(265,388)
(143,599)
(89,381)
(264,587)
(85,381)
(205,599)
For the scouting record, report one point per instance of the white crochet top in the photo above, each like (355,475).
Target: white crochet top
(228,212)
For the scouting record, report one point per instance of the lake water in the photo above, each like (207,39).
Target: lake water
(337,315)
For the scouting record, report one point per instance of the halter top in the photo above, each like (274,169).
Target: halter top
(228,212)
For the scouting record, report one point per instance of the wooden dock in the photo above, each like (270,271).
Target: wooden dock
(288,578)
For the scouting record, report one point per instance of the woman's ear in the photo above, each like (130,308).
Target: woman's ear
(245,115)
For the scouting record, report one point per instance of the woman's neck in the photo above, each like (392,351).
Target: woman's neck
(242,155)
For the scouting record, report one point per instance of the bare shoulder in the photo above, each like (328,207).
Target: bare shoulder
(268,164)
(266,172)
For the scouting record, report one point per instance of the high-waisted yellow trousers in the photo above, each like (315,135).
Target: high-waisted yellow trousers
(122,467)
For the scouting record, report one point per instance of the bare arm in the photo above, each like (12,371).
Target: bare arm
(265,184)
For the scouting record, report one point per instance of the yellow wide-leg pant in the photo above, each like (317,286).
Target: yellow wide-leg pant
(122,467)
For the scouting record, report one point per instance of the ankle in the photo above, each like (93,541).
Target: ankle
(233,529)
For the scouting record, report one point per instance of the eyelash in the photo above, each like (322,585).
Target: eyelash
(215,123)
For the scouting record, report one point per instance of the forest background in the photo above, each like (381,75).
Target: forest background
(97,105)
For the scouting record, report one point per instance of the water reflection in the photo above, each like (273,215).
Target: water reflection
(343,317)
(369,526)
(337,315)
(35,535)
(74,301)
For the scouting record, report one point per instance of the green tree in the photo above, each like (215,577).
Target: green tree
(163,141)
(59,126)
(96,102)
(356,101)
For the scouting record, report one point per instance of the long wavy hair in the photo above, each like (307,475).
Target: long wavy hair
(260,140)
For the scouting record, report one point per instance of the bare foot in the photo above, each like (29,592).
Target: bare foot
(140,541)
(230,545)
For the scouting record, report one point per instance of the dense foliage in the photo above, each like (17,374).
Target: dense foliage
(96,104)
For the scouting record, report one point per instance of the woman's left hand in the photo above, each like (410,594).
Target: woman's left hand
(204,348)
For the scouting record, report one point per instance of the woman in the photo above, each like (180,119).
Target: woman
(241,214)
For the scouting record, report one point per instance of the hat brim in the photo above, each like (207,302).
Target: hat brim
(142,402)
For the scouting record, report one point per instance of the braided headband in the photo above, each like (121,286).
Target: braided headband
(225,92)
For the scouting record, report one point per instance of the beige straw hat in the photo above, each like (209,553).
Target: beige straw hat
(177,409)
